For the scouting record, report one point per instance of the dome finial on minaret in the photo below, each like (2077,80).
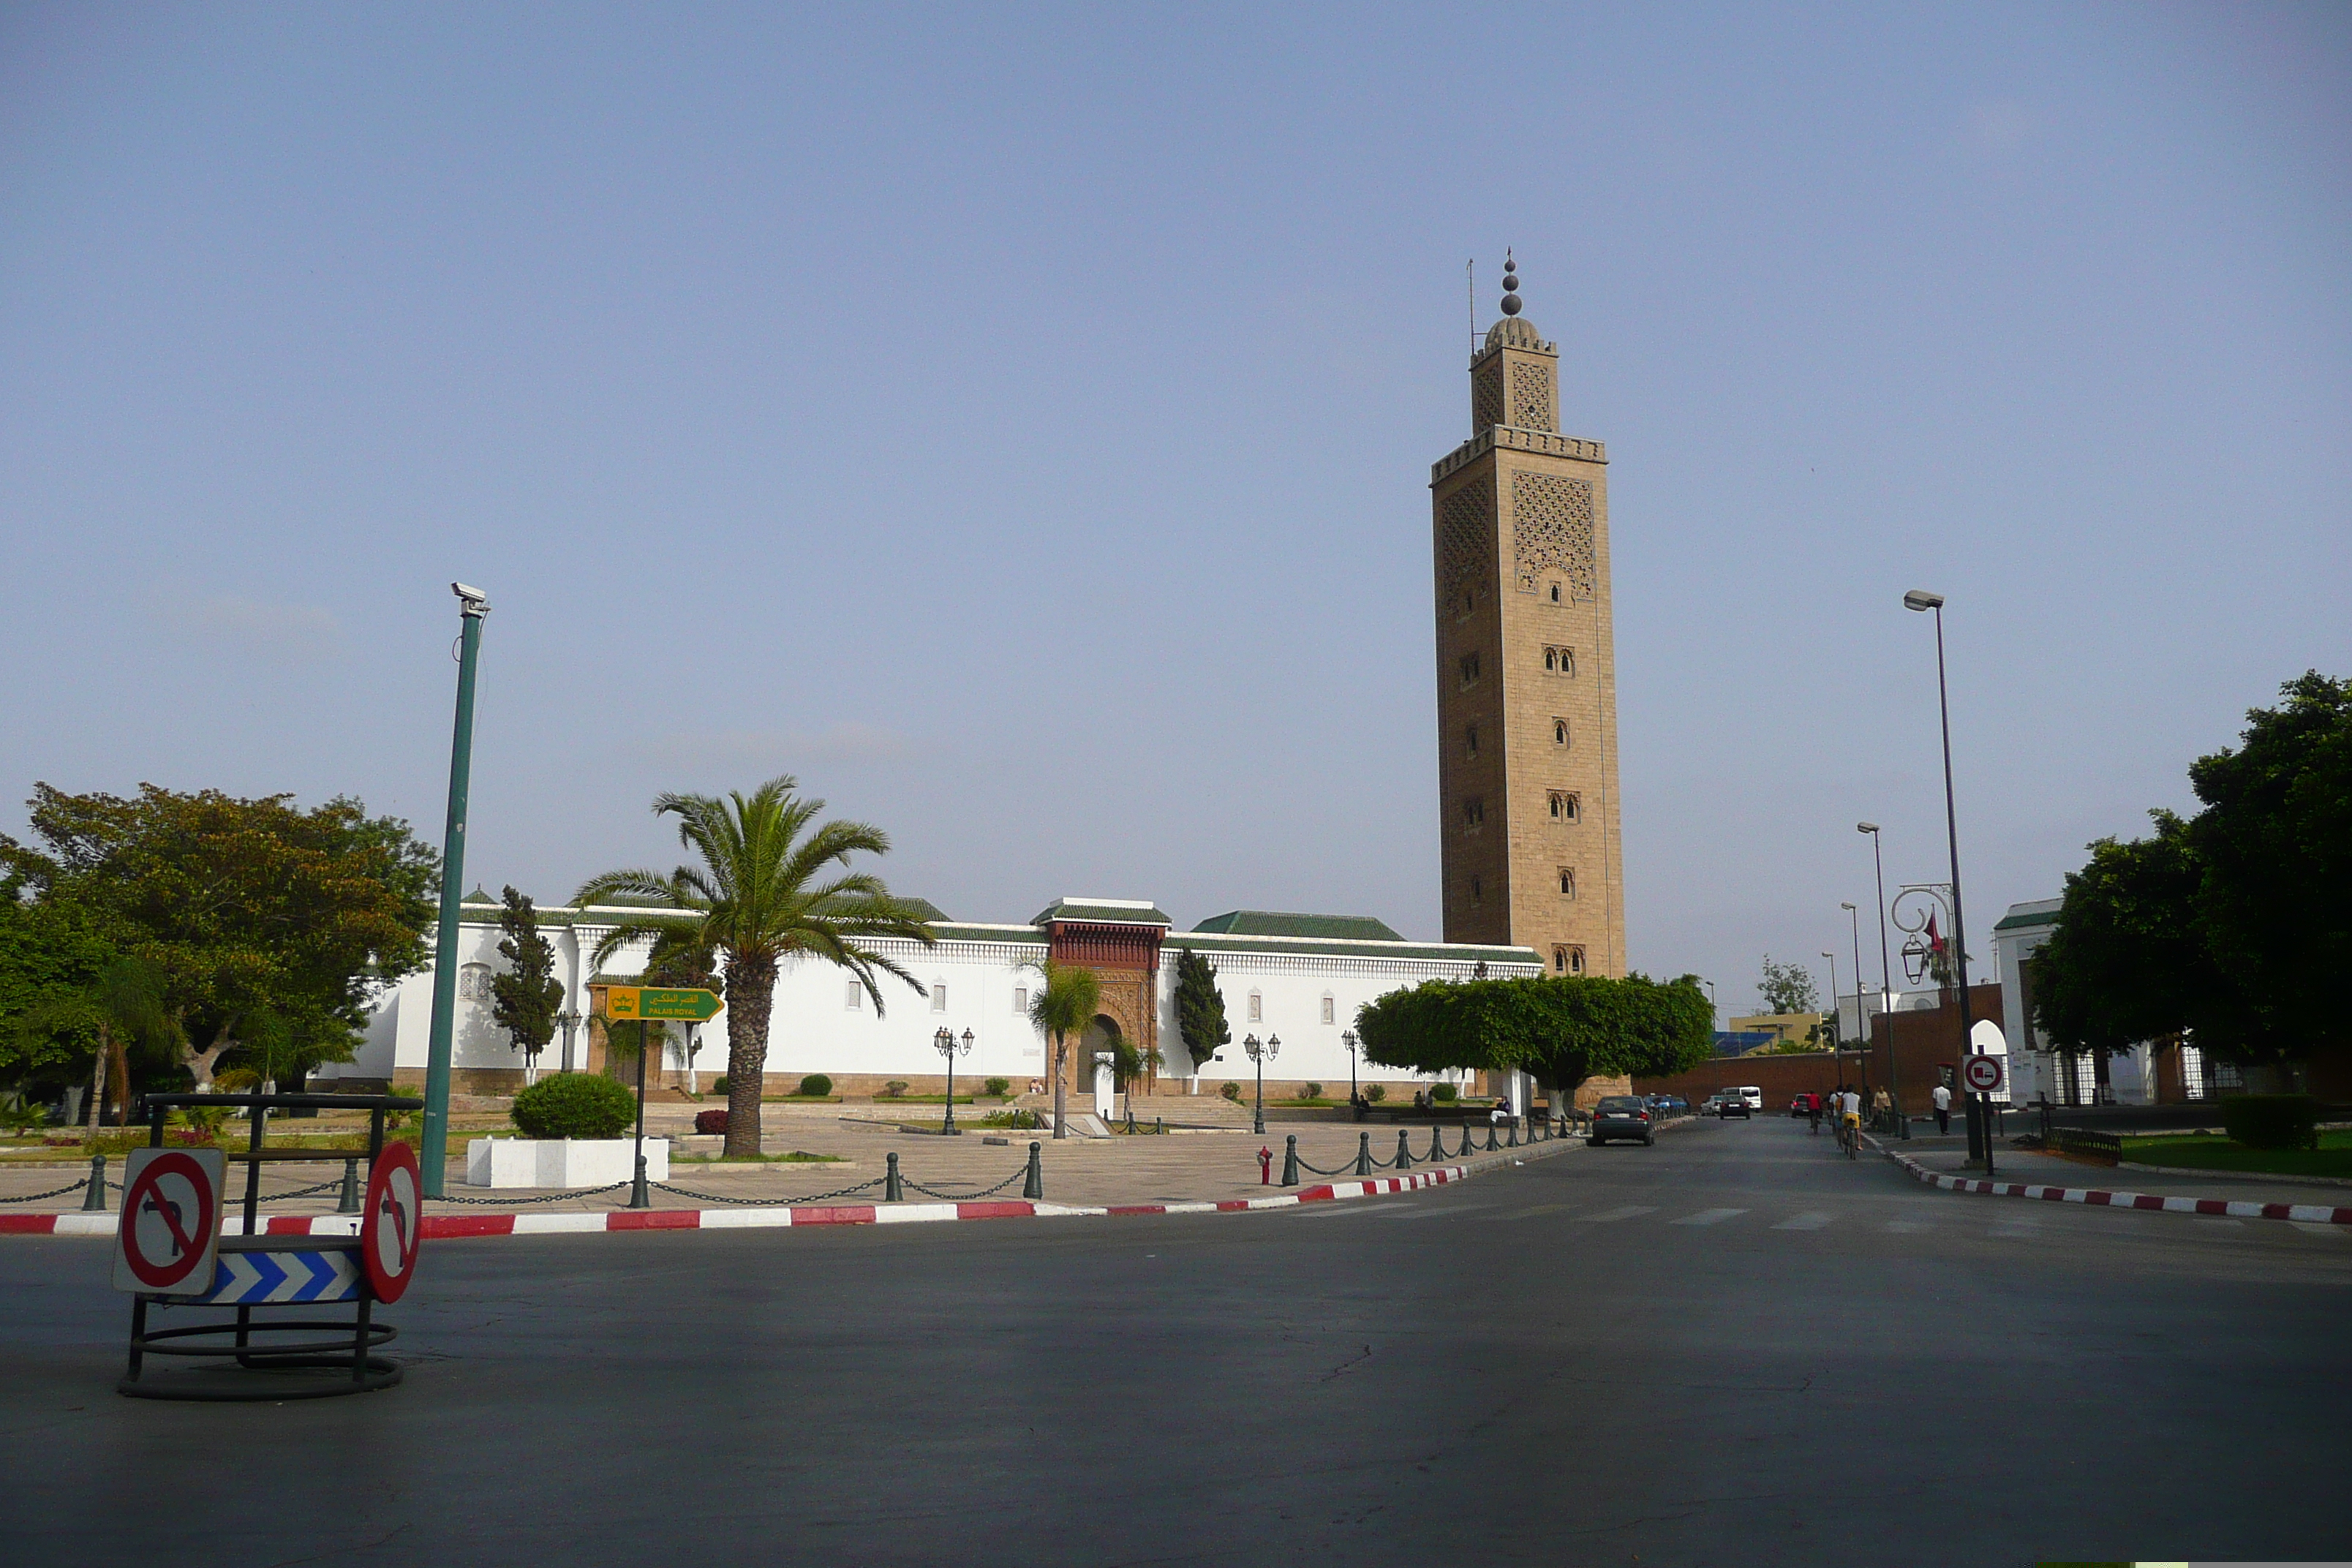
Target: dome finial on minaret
(1510,284)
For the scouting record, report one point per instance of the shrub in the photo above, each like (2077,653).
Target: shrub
(894,1089)
(1312,1091)
(1232,1091)
(575,1105)
(710,1122)
(718,1085)
(999,1087)
(1444,1094)
(816,1086)
(2272,1121)
(1376,1092)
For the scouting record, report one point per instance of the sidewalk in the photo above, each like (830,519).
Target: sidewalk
(2053,1178)
(1206,1168)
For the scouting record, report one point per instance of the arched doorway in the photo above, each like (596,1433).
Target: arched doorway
(1092,1076)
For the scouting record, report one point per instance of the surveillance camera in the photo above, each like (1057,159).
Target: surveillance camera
(474,595)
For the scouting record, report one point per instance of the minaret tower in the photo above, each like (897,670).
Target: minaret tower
(1526,668)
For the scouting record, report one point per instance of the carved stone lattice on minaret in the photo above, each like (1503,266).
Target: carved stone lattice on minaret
(1527,668)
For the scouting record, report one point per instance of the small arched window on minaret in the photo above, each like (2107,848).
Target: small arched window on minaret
(1560,732)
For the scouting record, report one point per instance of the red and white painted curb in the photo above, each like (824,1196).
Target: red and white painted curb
(454,1226)
(2306,1214)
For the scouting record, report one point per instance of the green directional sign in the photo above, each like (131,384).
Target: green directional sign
(658,1002)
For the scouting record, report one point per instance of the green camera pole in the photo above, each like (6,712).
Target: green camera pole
(434,1158)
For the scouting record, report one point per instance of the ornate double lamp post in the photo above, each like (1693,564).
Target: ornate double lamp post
(947,1045)
(1348,1038)
(1260,1053)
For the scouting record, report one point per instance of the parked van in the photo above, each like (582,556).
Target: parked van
(1752,1095)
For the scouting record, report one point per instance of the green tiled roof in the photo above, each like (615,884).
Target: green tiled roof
(1126,913)
(1270,922)
(2030,918)
(1213,942)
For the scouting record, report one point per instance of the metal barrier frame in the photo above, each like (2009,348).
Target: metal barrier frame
(352,1355)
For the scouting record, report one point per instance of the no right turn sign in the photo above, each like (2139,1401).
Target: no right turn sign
(169,1240)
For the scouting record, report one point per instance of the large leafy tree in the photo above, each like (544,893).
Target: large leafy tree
(1199,1007)
(1787,988)
(2231,925)
(1062,1006)
(1563,1029)
(266,922)
(525,999)
(772,884)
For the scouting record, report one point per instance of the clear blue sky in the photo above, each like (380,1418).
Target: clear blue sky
(1017,423)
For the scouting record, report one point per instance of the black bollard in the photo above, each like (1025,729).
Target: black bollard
(892,1190)
(1511,1140)
(1436,1143)
(1290,1160)
(94,1200)
(1492,1146)
(1469,1146)
(348,1200)
(1363,1153)
(1404,1153)
(1033,1189)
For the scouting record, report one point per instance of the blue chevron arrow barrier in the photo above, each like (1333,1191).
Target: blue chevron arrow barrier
(275,1276)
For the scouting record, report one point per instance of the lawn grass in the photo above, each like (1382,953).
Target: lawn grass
(2332,1158)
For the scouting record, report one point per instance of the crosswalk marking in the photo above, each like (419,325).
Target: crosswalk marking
(1709,1216)
(1309,1211)
(1432,1211)
(1907,1226)
(1629,1211)
(1531,1212)
(1812,1219)
(2312,1227)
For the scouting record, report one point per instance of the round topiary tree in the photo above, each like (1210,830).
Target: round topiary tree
(816,1086)
(575,1105)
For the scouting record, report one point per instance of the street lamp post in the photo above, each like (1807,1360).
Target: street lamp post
(1260,1053)
(1835,1024)
(1348,1038)
(1862,1019)
(1894,1073)
(1981,1107)
(567,1020)
(947,1045)
(433,1156)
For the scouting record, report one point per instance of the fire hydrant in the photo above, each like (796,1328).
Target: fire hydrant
(1264,1167)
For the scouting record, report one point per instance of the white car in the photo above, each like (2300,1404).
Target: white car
(1752,1096)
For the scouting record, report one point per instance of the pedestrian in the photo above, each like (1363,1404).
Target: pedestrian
(1943,1099)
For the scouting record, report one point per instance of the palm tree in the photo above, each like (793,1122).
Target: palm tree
(1064,1007)
(766,891)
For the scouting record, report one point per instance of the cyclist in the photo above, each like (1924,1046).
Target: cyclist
(1848,1105)
(1813,1111)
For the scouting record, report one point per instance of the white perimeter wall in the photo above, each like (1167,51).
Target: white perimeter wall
(816,1027)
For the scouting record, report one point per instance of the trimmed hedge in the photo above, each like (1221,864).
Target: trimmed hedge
(996,1086)
(710,1120)
(575,1105)
(816,1086)
(718,1085)
(1445,1093)
(2272,1121)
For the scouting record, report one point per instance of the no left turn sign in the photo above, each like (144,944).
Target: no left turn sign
(1984,1074)
(389,1231)
(169,1240)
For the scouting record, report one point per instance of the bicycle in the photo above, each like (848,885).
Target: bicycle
(1849,1135)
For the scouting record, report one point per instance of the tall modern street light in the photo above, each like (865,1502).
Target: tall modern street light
(1261,1052)
(1980,1106)
(1835,1018)
(1885,982)
(947,1045)
(1862,1019)
(432,1160)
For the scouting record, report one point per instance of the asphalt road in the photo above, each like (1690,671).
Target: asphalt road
(1731,1348)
